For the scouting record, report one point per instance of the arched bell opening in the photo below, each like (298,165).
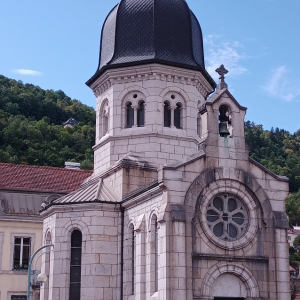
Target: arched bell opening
(224,121)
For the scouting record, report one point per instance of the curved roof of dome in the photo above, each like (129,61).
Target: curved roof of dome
(146,31)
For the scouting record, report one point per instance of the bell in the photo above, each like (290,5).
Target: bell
(223,129)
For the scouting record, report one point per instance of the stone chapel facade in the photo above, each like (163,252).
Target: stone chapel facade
(175,208)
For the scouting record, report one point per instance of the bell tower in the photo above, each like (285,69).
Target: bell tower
(148,98)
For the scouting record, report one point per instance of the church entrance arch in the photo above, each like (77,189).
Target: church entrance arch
(229,281)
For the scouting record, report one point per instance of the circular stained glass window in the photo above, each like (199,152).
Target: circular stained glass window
(227,217)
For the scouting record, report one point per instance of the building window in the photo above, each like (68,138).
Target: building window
(21,253)
(141,114)
(129,115)
(177,116)
(154,256)
(19,297)
(167,114)
(199,125)
(104,119)
(75,265)
(227,217)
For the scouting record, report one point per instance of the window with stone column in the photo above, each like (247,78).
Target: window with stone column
(134,110)
(173,110)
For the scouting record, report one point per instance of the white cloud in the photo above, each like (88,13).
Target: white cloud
(224,52)
(281,86)
(27,72)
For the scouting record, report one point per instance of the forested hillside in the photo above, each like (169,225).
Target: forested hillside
(278,150)
(31,130)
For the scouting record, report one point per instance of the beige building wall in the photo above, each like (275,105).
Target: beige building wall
(15,282)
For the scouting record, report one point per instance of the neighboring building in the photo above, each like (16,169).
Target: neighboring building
(22,191)
(175,209)
(292,234)
(70,123)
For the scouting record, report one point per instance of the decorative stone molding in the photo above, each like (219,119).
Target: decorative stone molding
(238,270)
(74,225)
(156,72)
(234,175)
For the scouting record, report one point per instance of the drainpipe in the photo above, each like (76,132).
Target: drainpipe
(122,251)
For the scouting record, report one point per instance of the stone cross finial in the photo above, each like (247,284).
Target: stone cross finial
(222,71)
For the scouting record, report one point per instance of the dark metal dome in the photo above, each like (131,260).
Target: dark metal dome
(146,31)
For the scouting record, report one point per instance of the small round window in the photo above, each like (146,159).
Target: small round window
(227,217)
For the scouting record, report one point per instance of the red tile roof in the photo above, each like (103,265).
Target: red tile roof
(43,179)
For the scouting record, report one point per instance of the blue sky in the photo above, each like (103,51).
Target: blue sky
(55,44)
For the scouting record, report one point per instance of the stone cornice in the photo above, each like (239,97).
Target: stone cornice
(134,136)
(151,72)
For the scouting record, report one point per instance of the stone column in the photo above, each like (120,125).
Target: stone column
(282,265)
(136,107)
(179,286)
(163,262)
(172,108)
(140,266)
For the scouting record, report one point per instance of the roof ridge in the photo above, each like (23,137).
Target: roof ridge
(44,167)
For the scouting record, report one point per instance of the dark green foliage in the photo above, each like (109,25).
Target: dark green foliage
(293,209)
(278,150)
(296,241)
(31,130)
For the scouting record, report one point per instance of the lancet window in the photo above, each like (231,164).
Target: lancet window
(75,265)
(154,254)
(104,118)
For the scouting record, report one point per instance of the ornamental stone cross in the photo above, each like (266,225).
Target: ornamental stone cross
(222,71)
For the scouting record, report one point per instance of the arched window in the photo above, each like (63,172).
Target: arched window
(104,119)
(75,265)
(199,125)
(154,255)
(177,116)
(129,115)
(167,114)
(141,114)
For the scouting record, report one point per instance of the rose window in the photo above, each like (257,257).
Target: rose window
(227,217)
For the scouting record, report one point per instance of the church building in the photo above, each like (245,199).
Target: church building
(175,209)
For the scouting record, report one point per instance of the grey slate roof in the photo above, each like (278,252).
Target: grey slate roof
(145,31)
